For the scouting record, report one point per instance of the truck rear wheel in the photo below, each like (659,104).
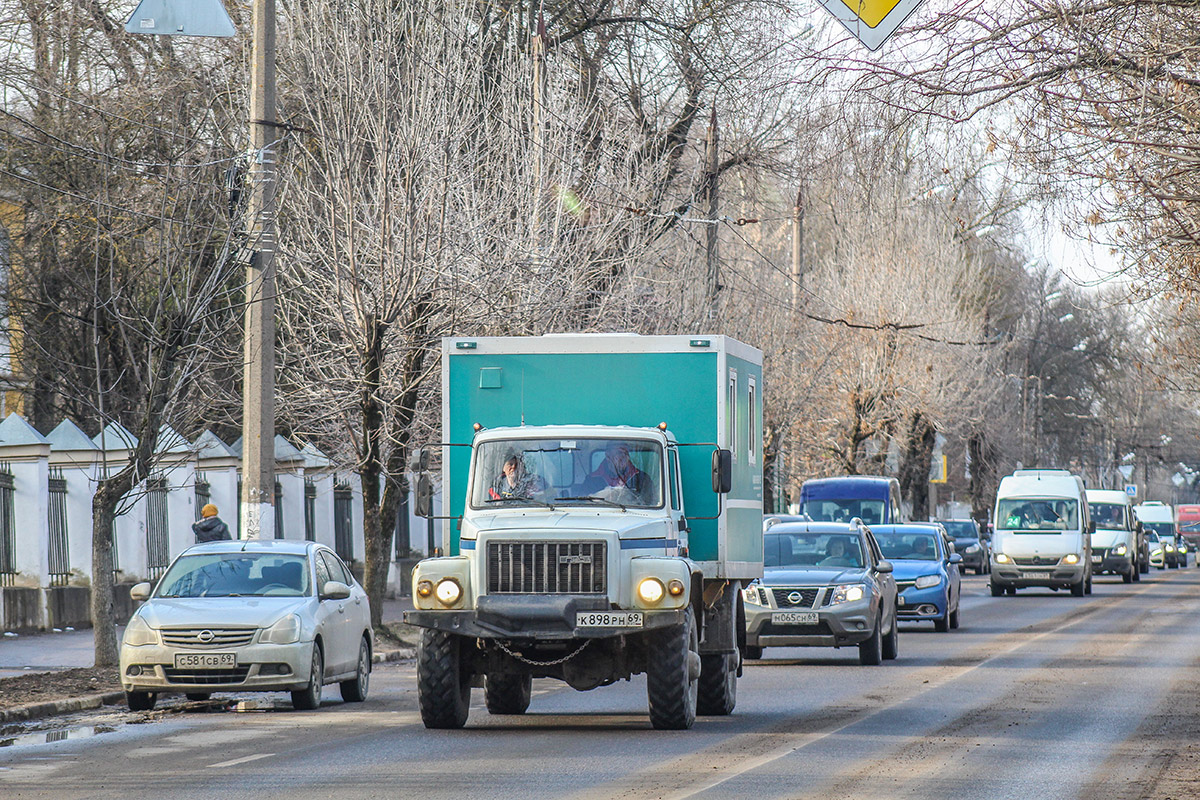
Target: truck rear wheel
(443,686)
(673,675)
(718,685)
(508,694)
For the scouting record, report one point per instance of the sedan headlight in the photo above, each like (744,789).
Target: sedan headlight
(139,633)
(848,594)
(285,631)
(1182,547)
(1001,558)
(972,548)
(925,581)
(1156,552)
(1121,550)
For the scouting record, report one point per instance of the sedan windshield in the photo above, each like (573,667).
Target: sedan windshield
(908,546)
(1037,514)
(236,575)
(552,472)
(811,550)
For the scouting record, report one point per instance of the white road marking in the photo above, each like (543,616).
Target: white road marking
(242,760)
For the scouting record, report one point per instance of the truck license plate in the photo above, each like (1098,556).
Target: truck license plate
(794,618)
(205,660)
(608,619)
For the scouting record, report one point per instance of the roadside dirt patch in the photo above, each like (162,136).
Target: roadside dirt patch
(41,687)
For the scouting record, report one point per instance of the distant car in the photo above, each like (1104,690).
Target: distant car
(926,573)
(825,584)
(249,616)
(968,543)
(1158,550)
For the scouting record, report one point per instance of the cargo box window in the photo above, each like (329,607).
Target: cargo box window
(731,414)
(751,423)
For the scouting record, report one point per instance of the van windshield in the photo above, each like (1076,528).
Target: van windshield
(1108,515)
(1035,514)
(1161,528)
(580,471)
(869,511)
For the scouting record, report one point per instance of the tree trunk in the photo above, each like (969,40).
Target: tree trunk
(914,466)
(980,487)
(103,618)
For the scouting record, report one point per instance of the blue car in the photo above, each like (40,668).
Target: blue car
(928,582)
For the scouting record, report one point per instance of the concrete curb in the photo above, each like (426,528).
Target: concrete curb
(69,705)
(52,708)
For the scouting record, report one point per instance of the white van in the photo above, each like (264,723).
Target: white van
(1118,545)
(1159,518)
(1041,537)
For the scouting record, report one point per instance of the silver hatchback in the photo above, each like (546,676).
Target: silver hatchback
(239,616)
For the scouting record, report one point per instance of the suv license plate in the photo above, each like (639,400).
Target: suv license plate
(205,660)
(794,618)
(608,619)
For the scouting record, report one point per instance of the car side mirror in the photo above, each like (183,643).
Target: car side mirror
(140,591)
(883,567)
(335,590)
(955,558)
(1091,526)
(722,471)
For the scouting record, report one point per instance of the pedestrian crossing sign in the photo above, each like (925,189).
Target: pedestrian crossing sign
(871,21)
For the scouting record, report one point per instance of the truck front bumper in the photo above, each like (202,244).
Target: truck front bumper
(538,617)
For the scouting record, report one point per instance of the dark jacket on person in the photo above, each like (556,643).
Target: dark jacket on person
(211,529)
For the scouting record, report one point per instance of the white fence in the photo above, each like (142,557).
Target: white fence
(47,483)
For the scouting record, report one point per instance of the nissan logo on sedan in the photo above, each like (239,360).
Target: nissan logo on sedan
(205,636)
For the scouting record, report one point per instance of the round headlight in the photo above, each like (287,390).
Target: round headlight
(424,588)
(448,591)
(651,590)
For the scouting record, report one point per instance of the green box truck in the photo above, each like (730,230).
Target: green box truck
(604,496)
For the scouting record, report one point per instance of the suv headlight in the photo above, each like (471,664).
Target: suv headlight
(139,633)
(1121,550)
(848,594)
(750,595)
(925,581)
(285,631)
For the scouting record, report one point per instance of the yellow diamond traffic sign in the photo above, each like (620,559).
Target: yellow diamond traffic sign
(871,21)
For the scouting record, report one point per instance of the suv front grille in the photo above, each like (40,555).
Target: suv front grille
(547,567)
(220,637)
(807,596)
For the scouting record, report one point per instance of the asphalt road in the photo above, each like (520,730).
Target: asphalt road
(1038,695)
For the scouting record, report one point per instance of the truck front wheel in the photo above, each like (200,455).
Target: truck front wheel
(508,694)
(443,685)
(673,675)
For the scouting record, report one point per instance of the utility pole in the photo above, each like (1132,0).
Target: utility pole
(710,190)
(797,248)
(258,392)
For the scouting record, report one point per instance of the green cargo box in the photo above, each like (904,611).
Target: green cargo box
(707,389)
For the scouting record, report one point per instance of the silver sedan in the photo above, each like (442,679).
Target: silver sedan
(249,616)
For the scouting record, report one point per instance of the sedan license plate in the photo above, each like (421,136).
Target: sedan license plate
(608,619)
(205,660)
(794,618)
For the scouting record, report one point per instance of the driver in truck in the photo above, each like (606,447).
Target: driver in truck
(515,481)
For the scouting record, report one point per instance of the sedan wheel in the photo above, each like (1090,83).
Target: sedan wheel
(309,698)
(355,689)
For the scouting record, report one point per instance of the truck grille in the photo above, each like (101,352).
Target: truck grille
(1035,561)
(547,567)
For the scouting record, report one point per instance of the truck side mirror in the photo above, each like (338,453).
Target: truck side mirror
(722,471)
(424,496)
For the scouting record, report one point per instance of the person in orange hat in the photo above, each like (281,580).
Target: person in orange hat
(210,528)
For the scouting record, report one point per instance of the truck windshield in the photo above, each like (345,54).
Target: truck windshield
(620,472)
(869,511)
(1037,514)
